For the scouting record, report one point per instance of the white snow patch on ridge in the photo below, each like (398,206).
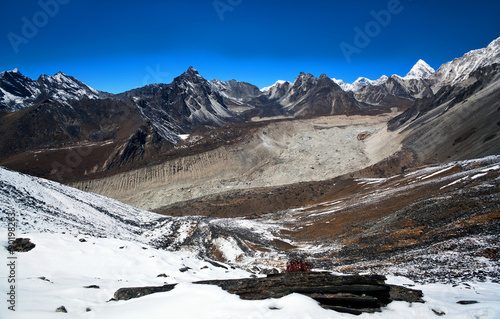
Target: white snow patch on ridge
(267,88)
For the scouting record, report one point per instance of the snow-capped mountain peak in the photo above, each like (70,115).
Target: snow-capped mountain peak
(344,86)
(359,83)
(17,91)
(279,82)
(381,80)
(421,70)
(459,69)
(60,76)
(362,79)
(356,85)
(63,87)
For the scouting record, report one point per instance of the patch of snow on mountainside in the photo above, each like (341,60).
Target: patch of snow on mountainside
(46,206)
(381,80)
(267,88)
(343,85)
(13,100)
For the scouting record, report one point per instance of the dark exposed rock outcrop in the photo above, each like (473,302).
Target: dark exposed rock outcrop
(350,294)
(136,292)
(21,245)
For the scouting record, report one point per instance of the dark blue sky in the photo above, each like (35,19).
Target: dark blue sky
(118,45)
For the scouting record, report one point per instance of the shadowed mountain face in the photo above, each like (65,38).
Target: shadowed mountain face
(188,101)
(457,123)
(62,140)
(17,91)
(325,95)
(65,138)
(395,92)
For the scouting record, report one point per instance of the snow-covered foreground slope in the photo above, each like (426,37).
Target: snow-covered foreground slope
(57,271)
(46,206)
(116,253)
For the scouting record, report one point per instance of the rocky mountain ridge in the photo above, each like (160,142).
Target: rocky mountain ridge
(18,91)
(459,69)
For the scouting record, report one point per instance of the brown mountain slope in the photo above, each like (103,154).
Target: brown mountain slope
(64,141)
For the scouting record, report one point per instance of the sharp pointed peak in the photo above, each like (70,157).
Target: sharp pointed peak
(191,69)
(191,72)
(421,70)
(422,63)
(190,75)
(304,75)
(60,75)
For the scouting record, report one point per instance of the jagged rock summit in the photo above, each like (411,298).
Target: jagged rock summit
(18,91)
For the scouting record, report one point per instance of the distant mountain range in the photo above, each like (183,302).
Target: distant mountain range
(59,112)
